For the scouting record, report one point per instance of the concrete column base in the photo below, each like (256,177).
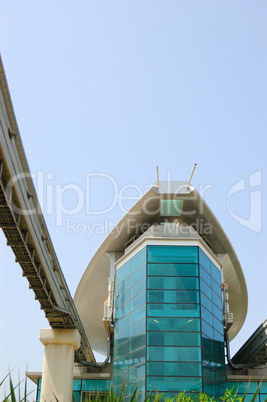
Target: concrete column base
(58,363)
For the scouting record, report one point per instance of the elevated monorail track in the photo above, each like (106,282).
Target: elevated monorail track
(23,224)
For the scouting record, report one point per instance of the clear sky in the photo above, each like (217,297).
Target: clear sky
(114,88)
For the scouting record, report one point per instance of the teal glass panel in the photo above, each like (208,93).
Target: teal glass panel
(95,385)
(208,372)
(137,342)
(241,386)
(204,261)
(172,296)
(205,289)
(138,301)
(137,356)
(165,254)
(122,336)
(173,324)
(123,272)
(173,310)
(171,207)
(217,336)
(120,377)
(216,273)
(122,349)
(76,396)
(174,369)
(207,343)
(138,288)
(216,288)
(138,328)
(167,283)
(206,302)
(207,357)
(173,339)
(138,274)
(122,298)
(263,388)
(175,384)
(220,378)
(207,329)
(137,371)
(138,314)
(206,315)
(216,299)
(205,276)
(172,269)
(140,382)
(216,311)
(124,285)
(120,364)
(122,323)
(209,387)
(218,325)
(122,311)
(173,353)
(218,349)
(138,260)
(77,385)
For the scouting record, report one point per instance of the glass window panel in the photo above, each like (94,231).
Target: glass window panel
(172,283)
(216,299)
(173,353)
(121,350)
(137,356)
(208,372)
(217,336)
(133,384)
(172,296)
(218,349)
(121,377)
(138,301)
(205,276)
(180,254)
(76,396)
(204,260)
(216,288)
(138,288)
(206,315)
(137,342)
(207,329)
(206,302)
(263,387)
(175,384)
(138,328)
(173,310)
(207,343)
(121,363)
(138,314)
(218,325)
(241,386)
(216,273)
(95,385)
(122,323)
(137,371)
(138,260)
(122,311)
(173,338)
(77,385)
(173,324)
(138,274)
(122,336)
(123,298)
(123,272)
(171,207)
(122,286)
(172,269)
(174,369)
(209,387)
(205,288)
(216,311)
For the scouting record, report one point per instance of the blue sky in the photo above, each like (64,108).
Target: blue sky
(116,88)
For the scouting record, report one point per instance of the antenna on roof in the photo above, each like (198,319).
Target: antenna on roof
(188,184)
(157,176)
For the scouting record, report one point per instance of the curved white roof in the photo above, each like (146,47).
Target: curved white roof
(92,289)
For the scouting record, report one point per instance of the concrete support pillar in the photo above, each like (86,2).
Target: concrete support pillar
(58,363)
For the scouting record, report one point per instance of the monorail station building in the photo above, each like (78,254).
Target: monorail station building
(161,299)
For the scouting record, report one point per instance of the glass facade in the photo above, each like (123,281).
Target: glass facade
(251,387)
(168,326)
